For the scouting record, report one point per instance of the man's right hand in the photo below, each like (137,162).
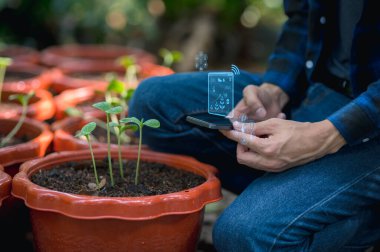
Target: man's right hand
(261,102)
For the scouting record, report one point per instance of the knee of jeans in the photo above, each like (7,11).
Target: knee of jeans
(232,234)
(142,99)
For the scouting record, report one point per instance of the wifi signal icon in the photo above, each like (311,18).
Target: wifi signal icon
(235,70)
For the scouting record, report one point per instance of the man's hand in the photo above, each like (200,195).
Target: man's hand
(261,102)
(281,144)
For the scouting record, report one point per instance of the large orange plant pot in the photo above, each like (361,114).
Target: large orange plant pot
(68,222)
(40,138)
(5,185)
(41,107)
(20,54)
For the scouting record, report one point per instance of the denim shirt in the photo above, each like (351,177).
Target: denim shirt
(292,64)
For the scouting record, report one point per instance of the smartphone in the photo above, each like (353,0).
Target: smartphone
(210,121)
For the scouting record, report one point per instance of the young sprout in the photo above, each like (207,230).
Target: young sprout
(109,110)
(24,100)
(170,57)
(120,131)
(4,62)
(152,123)
(123,94)
(86,132)
(131,68)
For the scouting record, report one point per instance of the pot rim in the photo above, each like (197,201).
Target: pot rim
(35,147)
(5,184)
(126,208)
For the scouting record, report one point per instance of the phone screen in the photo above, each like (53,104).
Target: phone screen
(210,121)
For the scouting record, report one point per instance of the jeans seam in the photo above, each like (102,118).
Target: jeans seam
(321,202)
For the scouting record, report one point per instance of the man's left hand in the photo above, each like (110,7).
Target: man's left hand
(275,145)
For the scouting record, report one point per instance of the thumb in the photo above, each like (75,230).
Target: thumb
(253,101)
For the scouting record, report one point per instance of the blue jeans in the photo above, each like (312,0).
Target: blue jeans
(331,204)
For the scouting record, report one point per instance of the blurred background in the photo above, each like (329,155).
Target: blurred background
(241,32)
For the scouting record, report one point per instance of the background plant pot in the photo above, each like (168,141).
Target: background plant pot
(75,77)
(67,222)
(40,138)
(41,107)
(26,77)
(97,57)
(5,185)
(76,98)
(20,54)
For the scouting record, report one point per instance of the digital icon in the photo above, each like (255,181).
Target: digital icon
(201,61)
(235,69)
(220,93)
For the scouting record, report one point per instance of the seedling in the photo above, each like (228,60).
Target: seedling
(123,95)
(24,100)
(121,129)
(131,69)
(170,57)
(109,110)
(86,132)
(4,63)
(152,123)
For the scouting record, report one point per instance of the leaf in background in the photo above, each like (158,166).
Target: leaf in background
(116,86)
(115,110)
(103,106)
(113,124)
(132,127)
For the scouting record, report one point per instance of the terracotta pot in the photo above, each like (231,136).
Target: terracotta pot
(84,57)
(40,138)
(70,222)
(5,185)
(41,107)
(75,97)
(72,78)
(20,54)
(26,77)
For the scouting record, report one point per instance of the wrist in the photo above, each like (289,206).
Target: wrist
(333,140)
(276,92)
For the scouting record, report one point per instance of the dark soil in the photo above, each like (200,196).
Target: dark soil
(78,178)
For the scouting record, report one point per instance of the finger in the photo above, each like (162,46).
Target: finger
(256,144)
(253,101)
(281,116)
(247,128)
(264,127)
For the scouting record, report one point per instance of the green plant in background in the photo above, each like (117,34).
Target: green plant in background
(118,93)
(152,123)
(86,132)
(170,57)
(131,69)
(24,100)
(120,131)
(4,63)
(109,110)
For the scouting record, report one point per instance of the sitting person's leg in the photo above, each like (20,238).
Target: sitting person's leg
(325,205)
(170,99)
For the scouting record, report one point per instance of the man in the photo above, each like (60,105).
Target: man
(321,186)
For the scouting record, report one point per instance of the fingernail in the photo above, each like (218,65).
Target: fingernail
(261,112)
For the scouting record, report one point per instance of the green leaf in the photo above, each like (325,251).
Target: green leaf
(4,62)
(116,86)
(130,120)
(132,127)
(72,111)
(126,61)
(113,124)
(128,95)
(22,98)
(103,106)
(88,128)
(153,123)
(115,110)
